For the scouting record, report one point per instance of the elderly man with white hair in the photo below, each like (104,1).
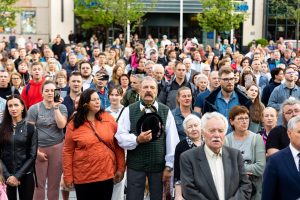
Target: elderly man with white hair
(189,71)
(158,73)
(206,69)
(214,171)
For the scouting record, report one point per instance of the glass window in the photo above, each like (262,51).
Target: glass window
(28,21)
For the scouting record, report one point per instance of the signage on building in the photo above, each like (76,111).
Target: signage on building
(241,6)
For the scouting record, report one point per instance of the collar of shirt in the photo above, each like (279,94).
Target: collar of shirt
(148,110)
(210,153)
(295,152)
(190,142)
(233,95)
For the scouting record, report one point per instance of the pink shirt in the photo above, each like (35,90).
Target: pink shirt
(3,195)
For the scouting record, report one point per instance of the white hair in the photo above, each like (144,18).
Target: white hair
(199,77)
(292,124)
(216,115)
(157,67)
(187,59)
(189,118)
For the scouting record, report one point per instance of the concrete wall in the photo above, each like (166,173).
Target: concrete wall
(48,19)
(56,24)
(253,31)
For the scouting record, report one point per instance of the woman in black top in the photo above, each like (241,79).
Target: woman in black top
(192,128)
(18,142)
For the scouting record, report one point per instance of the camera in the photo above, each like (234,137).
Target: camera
(56,95)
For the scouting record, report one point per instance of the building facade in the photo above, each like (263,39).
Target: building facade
(47,18)
(43,19)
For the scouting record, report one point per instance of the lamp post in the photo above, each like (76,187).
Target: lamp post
(181,25)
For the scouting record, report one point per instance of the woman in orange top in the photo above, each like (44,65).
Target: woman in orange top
(92,159)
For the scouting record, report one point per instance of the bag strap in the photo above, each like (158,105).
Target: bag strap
(120,114)
(99,137)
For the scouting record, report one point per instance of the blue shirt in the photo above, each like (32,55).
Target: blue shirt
(179,118)
(200,99)
(224,107)
(105,103)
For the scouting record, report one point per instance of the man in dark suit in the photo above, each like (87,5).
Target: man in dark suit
(189,72)
(282,174)
(213,171)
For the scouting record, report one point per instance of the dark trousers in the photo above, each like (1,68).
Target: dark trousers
(136,185)
(25,189)
(101,190)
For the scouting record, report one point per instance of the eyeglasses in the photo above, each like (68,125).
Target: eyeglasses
(227,79)
(291,72)
(289,112)
(15,78)
(241,119)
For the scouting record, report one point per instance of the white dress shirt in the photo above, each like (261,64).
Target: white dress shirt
(127,140)
(216,167)
(295,156)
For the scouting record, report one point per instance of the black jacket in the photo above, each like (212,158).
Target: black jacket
(19,154)
(209,102)
(267,91)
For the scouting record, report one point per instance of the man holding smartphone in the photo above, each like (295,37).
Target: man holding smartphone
(100,84)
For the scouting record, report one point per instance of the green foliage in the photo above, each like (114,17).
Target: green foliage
(219,15)
(8,13)
(262,42)
(285,9)
(106,12)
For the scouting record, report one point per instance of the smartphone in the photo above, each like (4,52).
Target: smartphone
(56,95)
(104,78)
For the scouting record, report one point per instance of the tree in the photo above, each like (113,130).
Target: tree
(219,15)
(287,9)
(107,12)
(8,13)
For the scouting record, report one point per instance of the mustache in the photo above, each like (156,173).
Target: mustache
(148,94)
(216,140)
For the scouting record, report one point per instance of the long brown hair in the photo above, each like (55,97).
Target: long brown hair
(6,128)
(257,108)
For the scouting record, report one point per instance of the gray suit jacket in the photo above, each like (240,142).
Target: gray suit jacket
(197,181)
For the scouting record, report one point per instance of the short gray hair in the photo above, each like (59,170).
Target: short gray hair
(216,115)
(187,59)
(149,78)
(158,66)
(189,118)
(292,124)
(149,62)
(290,101)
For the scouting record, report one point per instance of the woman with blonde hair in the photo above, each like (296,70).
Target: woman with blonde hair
(51,68)
(9,66)
(184,108)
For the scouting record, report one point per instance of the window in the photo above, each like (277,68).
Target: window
(28,22)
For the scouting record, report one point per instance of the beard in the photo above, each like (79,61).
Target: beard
(227,89)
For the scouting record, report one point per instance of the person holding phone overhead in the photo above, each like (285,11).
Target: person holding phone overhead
(49,118)
(100,85)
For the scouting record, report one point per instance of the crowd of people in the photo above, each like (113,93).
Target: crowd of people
(150,119)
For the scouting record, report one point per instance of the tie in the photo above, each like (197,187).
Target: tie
(148,106)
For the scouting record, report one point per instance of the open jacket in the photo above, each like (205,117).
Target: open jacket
(19,153)
(209,102)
